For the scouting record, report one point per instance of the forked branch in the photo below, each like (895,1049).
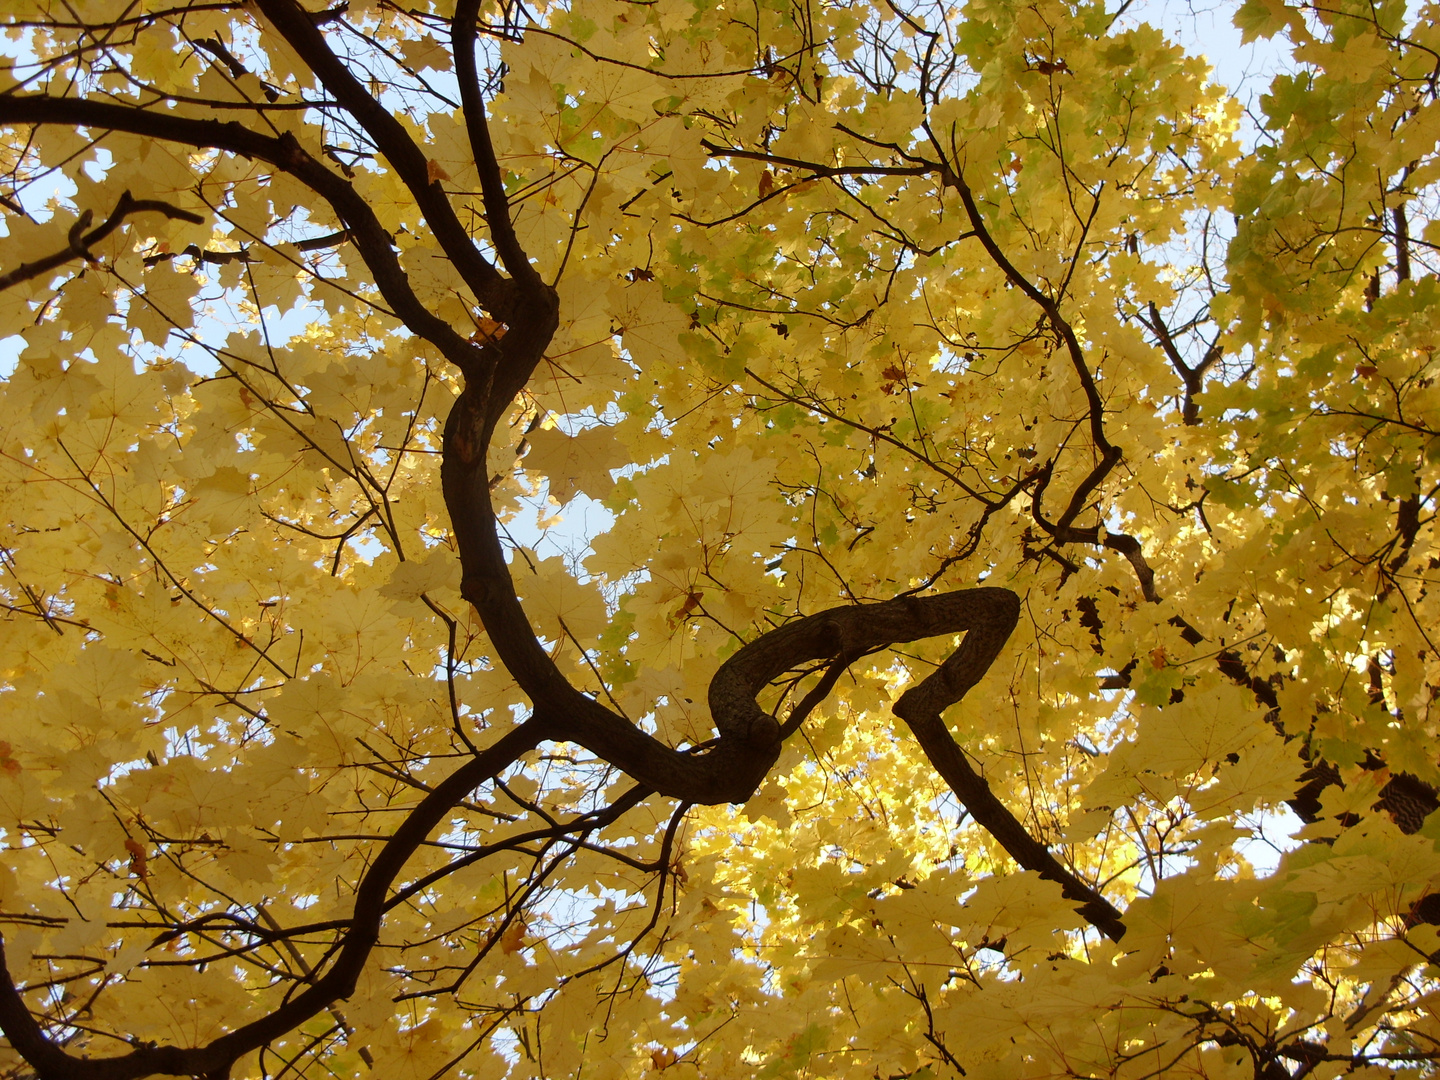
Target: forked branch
(80,241)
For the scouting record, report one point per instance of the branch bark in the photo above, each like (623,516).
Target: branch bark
(298,27)
(284,152)
(463,34)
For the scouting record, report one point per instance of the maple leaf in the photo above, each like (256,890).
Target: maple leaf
(487,331)
(138,858)
(513,939)
(896,379)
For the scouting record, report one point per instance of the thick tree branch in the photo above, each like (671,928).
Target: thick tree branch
(750,739)
(285,153)
(392,140)
(215,1058)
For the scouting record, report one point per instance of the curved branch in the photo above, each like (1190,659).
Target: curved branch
(986,616)
(284,152)
(749,738)
(216,1057)
(749,742)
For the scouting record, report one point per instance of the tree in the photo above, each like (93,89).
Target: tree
(1021,482)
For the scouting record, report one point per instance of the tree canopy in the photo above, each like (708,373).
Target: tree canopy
(849,539)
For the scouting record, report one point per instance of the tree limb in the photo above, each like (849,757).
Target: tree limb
(463,34)
(285,153)
(296,26)
(215,1058)
(81,242)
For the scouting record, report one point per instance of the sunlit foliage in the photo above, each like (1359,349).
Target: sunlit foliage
(496,498)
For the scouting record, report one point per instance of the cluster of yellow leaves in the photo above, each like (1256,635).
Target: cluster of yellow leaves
(235,650)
